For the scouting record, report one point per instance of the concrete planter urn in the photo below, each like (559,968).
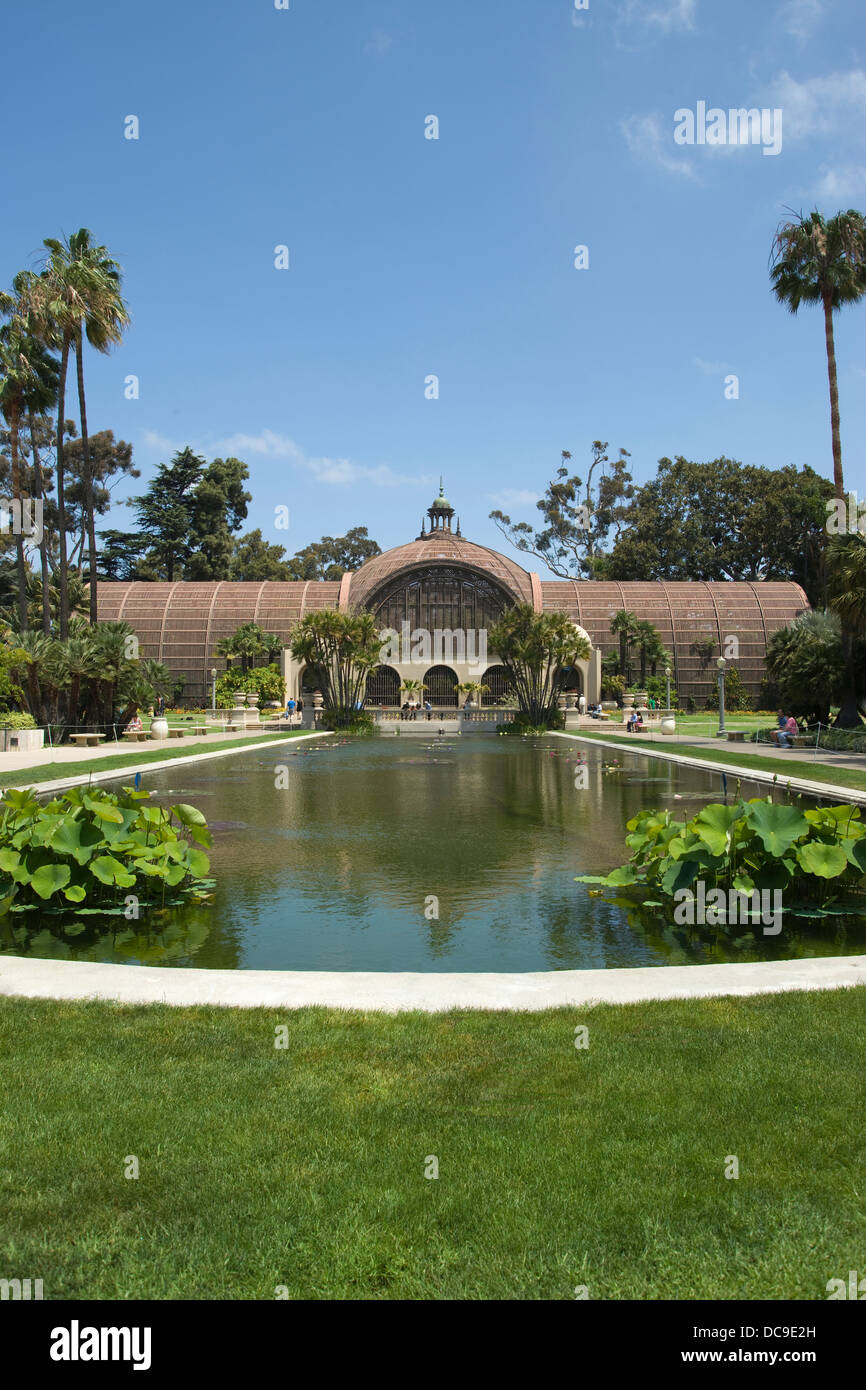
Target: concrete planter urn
(253,700)
(639,699)
(159,727)
(668,724)
(318,699)
(609,705)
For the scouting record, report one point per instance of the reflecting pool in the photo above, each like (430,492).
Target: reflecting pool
(419,854)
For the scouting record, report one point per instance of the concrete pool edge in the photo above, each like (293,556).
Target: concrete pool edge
(737,770)
(386,992)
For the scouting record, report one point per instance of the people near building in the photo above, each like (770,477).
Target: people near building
(429,709)
(290,708)
(581,704)
(135,725)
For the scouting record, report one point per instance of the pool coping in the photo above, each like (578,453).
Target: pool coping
(396,992)
(799,784)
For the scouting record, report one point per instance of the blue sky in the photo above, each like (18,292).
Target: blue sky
(455,257)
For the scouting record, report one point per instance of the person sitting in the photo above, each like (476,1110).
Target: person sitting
(784,735)
(135,725)
(631,722)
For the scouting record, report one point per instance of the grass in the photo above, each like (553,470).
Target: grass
(743,758)
(134,757)
(305,1167)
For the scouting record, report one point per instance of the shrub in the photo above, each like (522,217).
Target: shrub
(13,720)
(736,695)
(817,857)
(354,721)
(93,847)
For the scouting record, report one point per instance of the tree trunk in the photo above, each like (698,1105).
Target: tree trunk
(834,399)
(61,494)
(848,716)
(14,419)
(88,477)
(43,544)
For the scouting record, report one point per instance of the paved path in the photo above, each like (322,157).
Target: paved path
(745,770)
(82,777)
(430,993)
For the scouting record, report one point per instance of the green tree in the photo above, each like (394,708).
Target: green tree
(344,647)
(726,520)
(846,587)
(806,665)
(534,648)
(256,559)
(332,556)
(822,261)
(624,625)
(650,647)
(578,515)
(88,492)
(219,508)
(165,512)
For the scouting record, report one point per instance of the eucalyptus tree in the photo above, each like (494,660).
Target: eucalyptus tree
(817,260)
(534,648)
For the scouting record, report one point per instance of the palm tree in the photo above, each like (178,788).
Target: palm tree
(104,319)
(534,648)
(76,295)
(15,373)
(846,589)
(625,624)
(649,643)
(818,261)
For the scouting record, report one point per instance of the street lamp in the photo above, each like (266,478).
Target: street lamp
(213,676)
(668,695)
(722,667)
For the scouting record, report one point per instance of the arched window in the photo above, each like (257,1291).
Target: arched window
(383,686)
(311,679)
(570,678)
(441,683)
(499,683)
(440,596)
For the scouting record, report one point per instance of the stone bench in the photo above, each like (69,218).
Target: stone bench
(176,733)
(86,740)
(739,736)
(136,735)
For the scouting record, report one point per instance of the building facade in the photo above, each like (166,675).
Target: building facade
(441,583)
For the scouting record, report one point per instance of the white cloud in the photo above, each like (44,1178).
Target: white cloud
(513,497)
(268,444)
(844,183)
(832,105)
(340,471)
(800,18)
(663,15)
(379,44)
(651,141)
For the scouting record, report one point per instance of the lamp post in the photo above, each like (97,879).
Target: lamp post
(668,680)
(722,666)
(213,676)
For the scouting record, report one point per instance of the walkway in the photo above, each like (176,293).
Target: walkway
(429,993)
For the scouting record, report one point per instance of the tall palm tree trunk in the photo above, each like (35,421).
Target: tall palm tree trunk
(43,544)
(834,398)
(88,476)
(61,494)
(19,538)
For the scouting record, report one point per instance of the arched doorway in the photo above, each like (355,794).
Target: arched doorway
(569,679)
(383,687)
(499,683)
(310,680)
(441,683)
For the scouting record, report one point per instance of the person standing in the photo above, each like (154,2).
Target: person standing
(290,709)
(581,704)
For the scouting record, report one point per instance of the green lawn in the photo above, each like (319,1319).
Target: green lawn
(133,757)
(557,1167)
(807,771)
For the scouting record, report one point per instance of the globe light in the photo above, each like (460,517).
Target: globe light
(721,663)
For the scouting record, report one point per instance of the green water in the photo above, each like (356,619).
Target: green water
(346,867)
